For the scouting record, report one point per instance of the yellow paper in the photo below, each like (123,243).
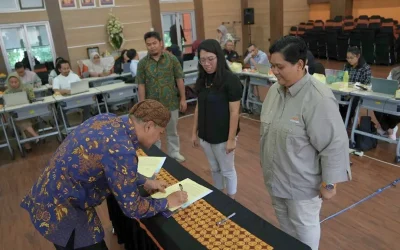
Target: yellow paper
(194,190)
(148,166)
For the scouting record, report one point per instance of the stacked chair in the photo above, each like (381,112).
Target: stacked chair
(377,37)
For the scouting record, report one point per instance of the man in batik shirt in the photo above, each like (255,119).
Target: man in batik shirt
(97,159)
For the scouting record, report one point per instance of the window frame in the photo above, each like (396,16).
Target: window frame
(31,8)
(19,9)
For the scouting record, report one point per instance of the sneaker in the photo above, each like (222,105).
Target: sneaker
(381,132)
(178,157)
(393,136)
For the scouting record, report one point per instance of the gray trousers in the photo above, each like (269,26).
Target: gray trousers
(172,135)
(222,166)
(300,219)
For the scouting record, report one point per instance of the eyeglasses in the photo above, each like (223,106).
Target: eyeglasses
(207,60)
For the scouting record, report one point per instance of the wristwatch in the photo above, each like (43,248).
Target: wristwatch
(328,186)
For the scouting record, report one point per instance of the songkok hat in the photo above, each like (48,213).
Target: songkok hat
(151,110)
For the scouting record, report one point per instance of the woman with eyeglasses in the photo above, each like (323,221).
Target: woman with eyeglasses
(216,118)
(359,71)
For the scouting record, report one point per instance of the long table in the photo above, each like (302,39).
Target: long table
(171,234)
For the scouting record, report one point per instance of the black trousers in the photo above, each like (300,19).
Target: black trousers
(343,110)
(70,245)
(387,121)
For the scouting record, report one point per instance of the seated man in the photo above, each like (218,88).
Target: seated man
(255,56)
(134,58)
(29,78)
(230,54)
(62,86)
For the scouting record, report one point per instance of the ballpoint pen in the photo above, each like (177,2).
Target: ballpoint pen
(224,220)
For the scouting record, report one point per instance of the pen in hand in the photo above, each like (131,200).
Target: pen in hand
(181,187)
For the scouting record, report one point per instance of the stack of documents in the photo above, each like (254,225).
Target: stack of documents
(149,166)
(194,190)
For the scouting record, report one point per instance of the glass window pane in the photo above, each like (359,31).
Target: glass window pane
(31,4)
(8,5)
(39,41)
(14,44)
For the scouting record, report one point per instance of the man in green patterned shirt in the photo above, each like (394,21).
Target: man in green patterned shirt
(160,77)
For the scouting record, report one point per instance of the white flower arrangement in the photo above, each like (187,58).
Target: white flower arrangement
(115,32)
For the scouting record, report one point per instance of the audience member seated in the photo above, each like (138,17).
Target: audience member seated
(96,67)
(359,70)
(133,57)
(54,73)
(223,36)
(28,78)
(26,63)
(14,85)
(387,124)
(310,63)
(255,56)
(230,54)
(175,50)
(62,86)
(319,68)
(119,63)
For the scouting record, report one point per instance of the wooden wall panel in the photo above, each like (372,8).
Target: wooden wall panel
(385,8)
(172,7)
(218,11)
(320,11)
(261,29)
(87,27)
(294,12)
(23,17)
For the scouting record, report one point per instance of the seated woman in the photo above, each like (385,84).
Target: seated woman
(14,85)
(359,71)
(387,124)
(54,73)
(119,63)
(96,68)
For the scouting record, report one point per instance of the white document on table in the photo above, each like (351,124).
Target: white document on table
(194,190)
(149,166)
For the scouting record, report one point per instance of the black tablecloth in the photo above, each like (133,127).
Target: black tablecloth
(171,235)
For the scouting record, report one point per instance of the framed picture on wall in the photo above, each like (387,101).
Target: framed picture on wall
(106,3)
(91,50)
(87,3)
(67,4)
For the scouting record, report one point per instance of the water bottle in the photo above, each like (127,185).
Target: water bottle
(346,76)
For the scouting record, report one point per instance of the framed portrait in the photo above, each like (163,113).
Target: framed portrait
(106,3)
(91,50)
(68,4)
(88,3)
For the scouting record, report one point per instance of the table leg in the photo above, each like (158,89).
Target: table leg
(16,135)
(63,118)
(56,122)
(353,142)
(105,103)
(6,136)
(346,122)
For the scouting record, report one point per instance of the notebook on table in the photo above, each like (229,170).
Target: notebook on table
(194,190)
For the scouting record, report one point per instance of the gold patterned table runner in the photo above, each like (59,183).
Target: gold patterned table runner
(199,220)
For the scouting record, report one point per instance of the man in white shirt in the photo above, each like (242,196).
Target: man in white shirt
(62,86)
(29,78)
(255,56)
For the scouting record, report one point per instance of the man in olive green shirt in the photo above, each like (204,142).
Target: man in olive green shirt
(160,77)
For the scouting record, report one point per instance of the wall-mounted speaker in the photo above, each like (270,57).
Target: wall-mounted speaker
(248,16)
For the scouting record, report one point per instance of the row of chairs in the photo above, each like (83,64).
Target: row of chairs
(378,45)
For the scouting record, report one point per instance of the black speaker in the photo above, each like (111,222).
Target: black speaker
(248,16)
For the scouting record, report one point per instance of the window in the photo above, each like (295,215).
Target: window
(17,5)
(31,4)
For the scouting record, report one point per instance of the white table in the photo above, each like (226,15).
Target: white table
(40,108)
(118,93)
(68,102)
